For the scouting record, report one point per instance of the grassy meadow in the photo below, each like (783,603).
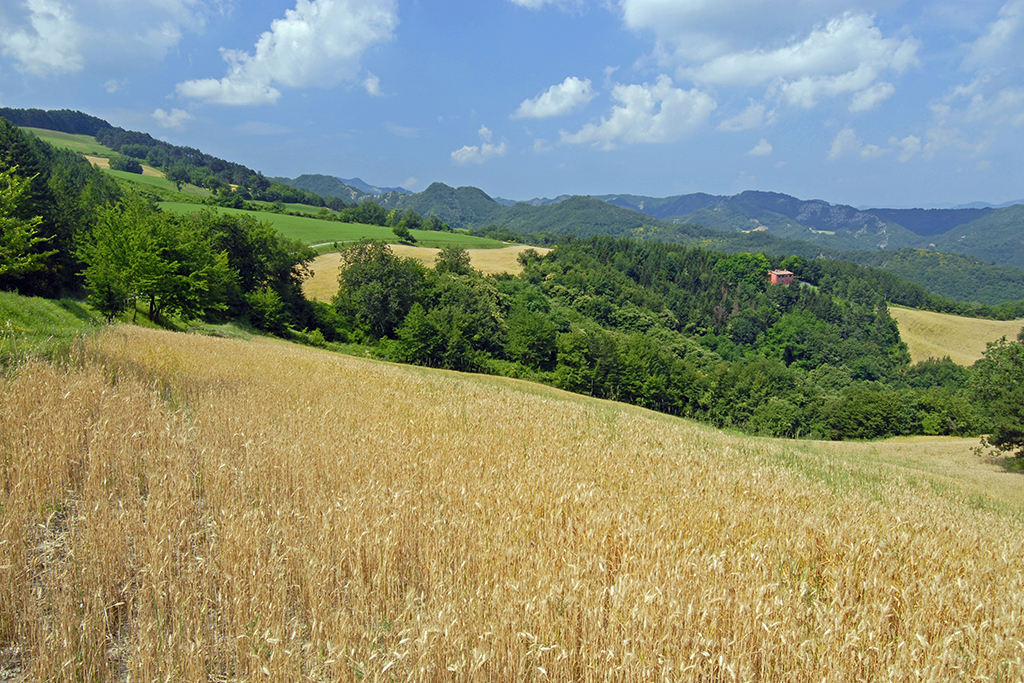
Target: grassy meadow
(324,283)
(179,507)
(936,335)
(83,144)
(316,231)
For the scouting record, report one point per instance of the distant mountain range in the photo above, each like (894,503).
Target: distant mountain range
(992,234)
(954,252)
(371,189)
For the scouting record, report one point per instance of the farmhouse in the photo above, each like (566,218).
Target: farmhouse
(780,277)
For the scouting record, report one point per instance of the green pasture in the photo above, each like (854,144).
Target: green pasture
(316,231)
(162,184)
(31,324)
(83,144)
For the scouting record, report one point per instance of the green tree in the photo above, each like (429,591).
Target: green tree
(136,252)
(178,174)
(453,259)
(998,388)
(377,288)
(18,236)
(531,338)
(403,234)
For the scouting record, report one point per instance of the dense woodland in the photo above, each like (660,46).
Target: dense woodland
(681,329)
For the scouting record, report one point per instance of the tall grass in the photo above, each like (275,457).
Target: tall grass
(179,507)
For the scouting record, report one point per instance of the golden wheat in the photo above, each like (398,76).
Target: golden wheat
(186,508)
(936,335)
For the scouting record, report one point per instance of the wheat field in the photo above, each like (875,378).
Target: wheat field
(324,283)
(185,508)
(936,335)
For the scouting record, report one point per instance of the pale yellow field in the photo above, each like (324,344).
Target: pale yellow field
(324,283)
(187,508)
(936,335)
(103,162)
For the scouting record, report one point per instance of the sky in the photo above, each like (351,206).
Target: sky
(884,103)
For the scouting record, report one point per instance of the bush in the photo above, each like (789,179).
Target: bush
(123,163)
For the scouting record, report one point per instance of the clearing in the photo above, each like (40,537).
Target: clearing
(324,283)
(936,335)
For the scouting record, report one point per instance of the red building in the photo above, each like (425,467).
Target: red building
(780,277)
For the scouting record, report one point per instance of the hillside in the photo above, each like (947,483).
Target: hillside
(304,515)
(936,335)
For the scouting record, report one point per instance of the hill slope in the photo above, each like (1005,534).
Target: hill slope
(307,515)
(936,335)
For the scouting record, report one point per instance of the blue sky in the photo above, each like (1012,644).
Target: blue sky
(862,102)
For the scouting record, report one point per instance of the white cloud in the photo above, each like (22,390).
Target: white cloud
(751,117)
(538,4)
(557,100)
(845,142)
(748,43)
(372,85)
(1000,34)
(540,146)
(761,149)
(872,151)
(51,45)
(410,183)
(478,154)
(657,113)
(114,85)
(174,119)
(318,43)
(866,99)
(910,147)
(65,36)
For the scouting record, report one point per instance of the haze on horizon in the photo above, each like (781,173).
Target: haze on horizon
(860,102)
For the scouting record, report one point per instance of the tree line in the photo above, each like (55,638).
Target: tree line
(681,330)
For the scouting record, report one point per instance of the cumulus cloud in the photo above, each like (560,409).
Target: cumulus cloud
(846,142)
(999,35)
(50,44)
(318,43)
(557,100)
(866,99)
(59,36)
(657,113)
(478,154)
(372,85)
(761,149)
(174,119)
(909,147)
(747,43)
(751,117)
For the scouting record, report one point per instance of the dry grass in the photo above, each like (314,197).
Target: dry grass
(324,283)
(935,335)
(188,508)
(103,162)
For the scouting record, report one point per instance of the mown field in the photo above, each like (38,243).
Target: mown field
(936,335)
(324,283)
(179,507)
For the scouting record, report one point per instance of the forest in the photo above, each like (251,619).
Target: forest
(685,330)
